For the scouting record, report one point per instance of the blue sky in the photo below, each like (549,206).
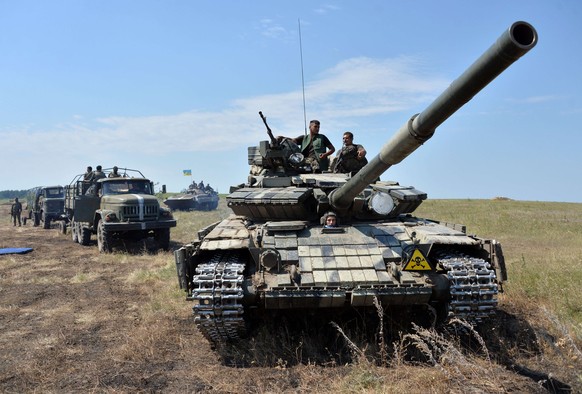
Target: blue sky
(164,86)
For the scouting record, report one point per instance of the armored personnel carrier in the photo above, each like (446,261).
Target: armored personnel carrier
(274,253)
(116,208)
(195,198)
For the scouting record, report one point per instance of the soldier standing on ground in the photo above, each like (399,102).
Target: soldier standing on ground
(315,147)
(351,158)
(16,211)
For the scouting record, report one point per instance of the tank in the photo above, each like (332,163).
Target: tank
(196,198)
(275,253)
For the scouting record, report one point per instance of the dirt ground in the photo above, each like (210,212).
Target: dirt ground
(73,320)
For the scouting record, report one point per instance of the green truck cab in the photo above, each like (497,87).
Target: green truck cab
(46,204)
(113,209)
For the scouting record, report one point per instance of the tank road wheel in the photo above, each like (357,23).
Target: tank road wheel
(103,238)
(162,237)
(218,294)
(74,232)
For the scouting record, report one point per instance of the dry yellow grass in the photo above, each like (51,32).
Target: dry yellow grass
(118,323)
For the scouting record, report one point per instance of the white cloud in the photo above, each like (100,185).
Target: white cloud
(360,87)
(326,8)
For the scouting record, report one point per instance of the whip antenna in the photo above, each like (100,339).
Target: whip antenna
(302,77)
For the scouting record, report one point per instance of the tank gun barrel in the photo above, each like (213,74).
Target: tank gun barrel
(513,43)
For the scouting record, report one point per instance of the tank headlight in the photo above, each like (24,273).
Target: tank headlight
(381,203)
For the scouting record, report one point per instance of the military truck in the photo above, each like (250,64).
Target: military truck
(46,204)
(118,208)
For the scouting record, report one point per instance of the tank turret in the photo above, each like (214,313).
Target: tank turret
(279,252)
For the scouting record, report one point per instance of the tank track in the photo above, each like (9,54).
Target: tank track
(473,286)
(217,294)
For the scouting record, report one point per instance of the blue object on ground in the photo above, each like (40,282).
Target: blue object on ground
(15,250)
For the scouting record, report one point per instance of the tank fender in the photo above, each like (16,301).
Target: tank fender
(433,233)
(230,234)
(186,259)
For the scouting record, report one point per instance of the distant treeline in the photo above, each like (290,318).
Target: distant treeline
(13,193)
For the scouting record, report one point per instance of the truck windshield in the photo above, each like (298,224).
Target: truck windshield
(126,186)
(57,192)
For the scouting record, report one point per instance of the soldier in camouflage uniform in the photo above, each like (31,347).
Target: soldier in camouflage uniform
(351,158)
(16,211)
(315,147)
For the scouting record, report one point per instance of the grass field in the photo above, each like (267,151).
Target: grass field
(542,243)
(75,320)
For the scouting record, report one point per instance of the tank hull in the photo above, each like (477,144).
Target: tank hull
(301,265)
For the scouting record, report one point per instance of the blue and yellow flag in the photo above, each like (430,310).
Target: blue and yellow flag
(187,172)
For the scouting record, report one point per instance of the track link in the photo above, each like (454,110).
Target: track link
(217,294)
(473,286)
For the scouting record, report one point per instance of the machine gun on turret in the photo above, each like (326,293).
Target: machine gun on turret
(274,141)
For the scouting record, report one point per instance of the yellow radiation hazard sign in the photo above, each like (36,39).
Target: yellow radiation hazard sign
(417,262)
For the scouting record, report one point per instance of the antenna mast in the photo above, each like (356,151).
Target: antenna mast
(302,77)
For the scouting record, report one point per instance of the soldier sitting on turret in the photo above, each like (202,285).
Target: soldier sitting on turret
(351,158)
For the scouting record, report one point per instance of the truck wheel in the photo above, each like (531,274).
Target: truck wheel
(36,219)
(74,232)
(162,237)
(84,235)
(63,227)
(47,222)
(103,238)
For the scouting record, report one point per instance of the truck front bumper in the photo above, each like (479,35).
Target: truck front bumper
(133,226)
